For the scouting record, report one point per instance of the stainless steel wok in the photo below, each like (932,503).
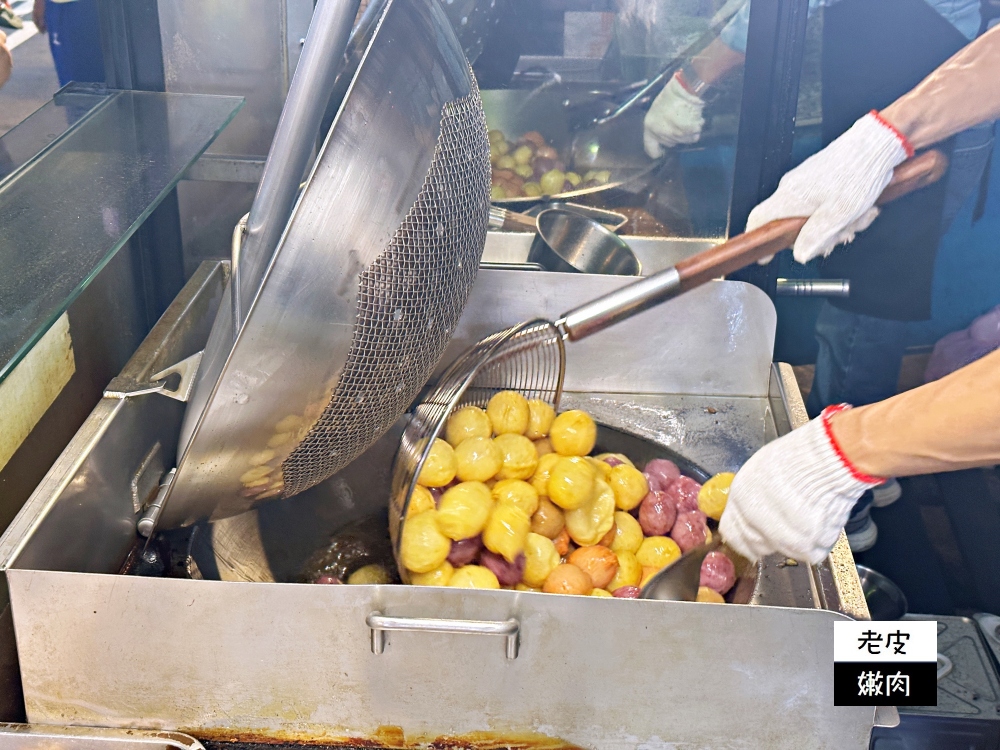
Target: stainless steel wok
(347,318)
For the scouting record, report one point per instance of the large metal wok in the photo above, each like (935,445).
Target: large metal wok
(338,327)
(616,146)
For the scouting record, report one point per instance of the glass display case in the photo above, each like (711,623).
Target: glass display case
(567,85)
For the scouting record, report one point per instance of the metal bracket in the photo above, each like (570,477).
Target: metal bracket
(187,369)
(380,624)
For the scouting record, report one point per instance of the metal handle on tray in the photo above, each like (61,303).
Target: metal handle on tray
(295,137)
(380,624)
(730,256)
(813,288)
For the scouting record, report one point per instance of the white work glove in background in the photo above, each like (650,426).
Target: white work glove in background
(793,496)
(674,118)
(836,188)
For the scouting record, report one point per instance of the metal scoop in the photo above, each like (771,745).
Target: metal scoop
(678,582)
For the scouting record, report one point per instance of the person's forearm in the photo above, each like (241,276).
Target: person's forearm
(963,92)
(6,63)
(952,423)
(715,61)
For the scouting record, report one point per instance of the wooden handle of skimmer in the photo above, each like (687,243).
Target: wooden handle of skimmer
(730,256)
(775,236)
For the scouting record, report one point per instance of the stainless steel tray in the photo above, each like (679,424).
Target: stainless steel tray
(286,661)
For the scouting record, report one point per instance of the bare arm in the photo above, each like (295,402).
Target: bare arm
(962,92)
(952,423)
(715,61)
(6,62)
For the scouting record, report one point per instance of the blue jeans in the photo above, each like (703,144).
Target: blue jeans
(75,41)
(859,355)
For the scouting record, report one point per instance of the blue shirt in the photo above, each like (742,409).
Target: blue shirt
(962,14)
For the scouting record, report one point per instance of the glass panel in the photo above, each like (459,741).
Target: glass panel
(44,127)
(579,76)
(67,211)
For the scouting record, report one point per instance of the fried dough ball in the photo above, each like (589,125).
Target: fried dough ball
(571,482)
(420,500)
(520,459)
(370,574)
(517,491)
(614,459)
(464,510)
(478,459)
(508,573)
(548,520)
(573,433)
(467,422)
(540,417)
(540,559)
(567,579)
(629,571)
(540,479)
(526,587)
(506,530)
(647,573)
(657,552)
(717,572)
(465,551)
(689,530)
(714,494)
(592,520)
(629,486)
(562,542)
(543,446)
(628,533)
(474,577)
(599,592)
(600,563)
(440,466)
(627,592)
(508,412)
(603,469)
(440,576)
(608,538)
(705,594)
(423,546)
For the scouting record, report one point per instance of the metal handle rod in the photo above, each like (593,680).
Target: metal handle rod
(294,139)
(236,251)
(813,287)
(380,624)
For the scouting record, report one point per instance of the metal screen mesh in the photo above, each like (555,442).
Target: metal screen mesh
(409,301)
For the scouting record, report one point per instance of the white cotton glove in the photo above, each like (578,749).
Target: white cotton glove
(674,118)
(837,187)
(793,496)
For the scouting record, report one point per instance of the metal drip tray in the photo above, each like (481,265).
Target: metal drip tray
(228,659)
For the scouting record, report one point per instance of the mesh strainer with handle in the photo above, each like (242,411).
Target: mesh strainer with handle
(530,358)
(365,287)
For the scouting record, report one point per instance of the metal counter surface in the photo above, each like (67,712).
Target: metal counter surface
(295,661)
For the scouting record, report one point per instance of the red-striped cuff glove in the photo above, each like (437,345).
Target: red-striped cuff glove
(794,495)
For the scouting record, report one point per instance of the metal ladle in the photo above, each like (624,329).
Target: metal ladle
(679,581)
(571,242)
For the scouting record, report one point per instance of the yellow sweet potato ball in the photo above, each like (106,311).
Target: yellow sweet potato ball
(508,412)
(464,510)
(516,491)
(573,433)
(520,459)
(571,482)
(540,417)
(467,422)
(440,466)
(477,459)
